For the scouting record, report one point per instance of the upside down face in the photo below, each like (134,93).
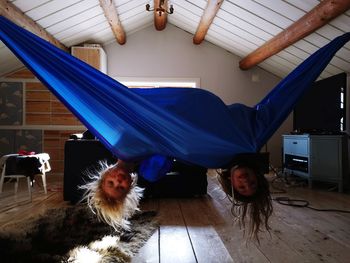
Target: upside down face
(244,181)
(116,183)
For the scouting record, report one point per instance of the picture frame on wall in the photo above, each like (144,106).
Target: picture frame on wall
(11,103)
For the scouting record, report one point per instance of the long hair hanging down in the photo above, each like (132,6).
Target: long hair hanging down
(114,212)
(254,210)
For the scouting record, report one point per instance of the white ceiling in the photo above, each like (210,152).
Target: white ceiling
(240,27)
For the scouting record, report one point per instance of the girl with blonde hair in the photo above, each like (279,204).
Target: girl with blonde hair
(113,194)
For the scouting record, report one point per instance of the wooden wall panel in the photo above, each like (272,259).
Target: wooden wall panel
(55,153)
(58,107)
(64,119)
(43,108)
(53,144)
(38,106)
(21,74)
(37,119)
(30,86)
(37,95)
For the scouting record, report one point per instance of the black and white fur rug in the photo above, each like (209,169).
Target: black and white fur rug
(73,234)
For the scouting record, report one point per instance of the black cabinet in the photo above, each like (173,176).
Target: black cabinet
(79,157)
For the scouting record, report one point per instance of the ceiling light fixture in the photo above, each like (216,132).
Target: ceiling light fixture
(160,9)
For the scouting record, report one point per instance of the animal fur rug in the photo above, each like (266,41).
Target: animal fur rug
(73,234)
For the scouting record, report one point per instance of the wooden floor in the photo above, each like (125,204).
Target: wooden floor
(202,229)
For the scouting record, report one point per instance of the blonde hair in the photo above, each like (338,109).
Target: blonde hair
(114,212)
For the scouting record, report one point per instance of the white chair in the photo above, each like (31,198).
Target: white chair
(44,168)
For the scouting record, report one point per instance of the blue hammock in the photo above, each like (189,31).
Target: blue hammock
(192,125)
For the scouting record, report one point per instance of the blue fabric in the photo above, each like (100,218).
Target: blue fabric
(192,125)
(155,167)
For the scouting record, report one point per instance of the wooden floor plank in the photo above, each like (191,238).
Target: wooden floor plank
(300,242)
(19,208)
(329,223)
(270,245)
(314,235)
(206,242)
(150,251)
(282,231)
(229,231)
(175,244)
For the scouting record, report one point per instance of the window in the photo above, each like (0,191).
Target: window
(134,82)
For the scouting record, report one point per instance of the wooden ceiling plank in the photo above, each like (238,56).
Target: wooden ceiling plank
(113,19)
(136,11)
(94,14)
(84,25)
(14,14)
(26,5)
(251,18)
(66,13)
(138,18)
(316,18)
(342,22)
(207,18)
(235,22)
(49,8)
(329,31)
(86,36)
(255,39)
(303,5)
(263,12)
(290,11)
(129,5)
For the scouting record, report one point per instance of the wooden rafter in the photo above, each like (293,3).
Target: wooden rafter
(310,22)
(160,19)
(12,13)
(113,19)
(207,18)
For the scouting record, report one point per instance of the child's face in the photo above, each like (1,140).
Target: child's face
(244,181)
(116,183)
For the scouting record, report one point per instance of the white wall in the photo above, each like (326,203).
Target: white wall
(171,54)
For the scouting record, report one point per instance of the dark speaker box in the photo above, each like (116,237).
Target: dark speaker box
(79,157)
(184,180)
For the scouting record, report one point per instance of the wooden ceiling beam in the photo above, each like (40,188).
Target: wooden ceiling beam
(11,12)
(207,18)
(111,14)
(310,22)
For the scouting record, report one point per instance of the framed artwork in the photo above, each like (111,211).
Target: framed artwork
(11,103)
(28,140)
(7,142)
(12,141)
